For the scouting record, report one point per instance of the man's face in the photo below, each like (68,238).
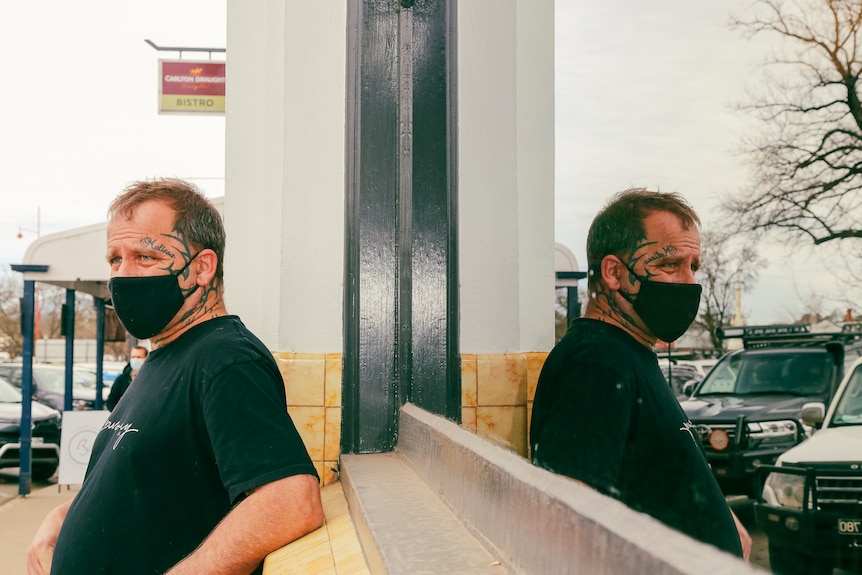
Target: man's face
(146,243)
(670,253)
(138,353)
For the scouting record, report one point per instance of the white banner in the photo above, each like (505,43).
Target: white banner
(76,442)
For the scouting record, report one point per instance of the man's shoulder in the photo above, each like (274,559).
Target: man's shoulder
(597,347)
(220,339)
(586,336)
(225,327)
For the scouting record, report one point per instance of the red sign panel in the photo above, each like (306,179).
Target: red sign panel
(191,86)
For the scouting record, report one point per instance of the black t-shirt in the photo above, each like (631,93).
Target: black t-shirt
(604,414)
(203,424)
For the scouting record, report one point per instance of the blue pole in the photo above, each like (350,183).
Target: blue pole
(69,329)
(100,349)
(25,458)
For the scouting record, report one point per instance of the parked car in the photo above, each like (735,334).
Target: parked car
(45,442)
(111,370)
(811,505)
(49,384)
(703,366)
(677,375)
(747,411)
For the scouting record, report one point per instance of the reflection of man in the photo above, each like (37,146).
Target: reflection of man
(199,469)
(121,384)
(603,412)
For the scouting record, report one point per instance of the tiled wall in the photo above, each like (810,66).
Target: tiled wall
(312,382)
(497,396)
(496,400)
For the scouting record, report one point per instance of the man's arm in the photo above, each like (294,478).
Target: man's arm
(42,546)
(744,537)
(270,517)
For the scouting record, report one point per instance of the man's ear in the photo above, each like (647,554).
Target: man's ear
(207,263)
(611,269)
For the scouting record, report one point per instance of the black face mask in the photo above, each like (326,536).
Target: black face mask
(667,309)
(146,304)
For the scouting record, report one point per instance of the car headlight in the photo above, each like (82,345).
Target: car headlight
(772,431)
(784,490)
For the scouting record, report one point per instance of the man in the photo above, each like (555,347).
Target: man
(121,384)
(199,469)
(603,413)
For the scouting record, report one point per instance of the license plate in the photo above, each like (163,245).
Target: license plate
(37,440)
(850,526)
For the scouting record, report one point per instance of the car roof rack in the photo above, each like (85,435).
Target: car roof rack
(757,336)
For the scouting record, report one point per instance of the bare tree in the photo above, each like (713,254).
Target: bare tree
(727,261)
(807,154)
(10,317)
(51,299)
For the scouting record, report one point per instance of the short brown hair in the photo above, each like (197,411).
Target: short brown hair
(619,227)
(197,219)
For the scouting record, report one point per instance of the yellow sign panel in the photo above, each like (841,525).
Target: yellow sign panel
(186,103)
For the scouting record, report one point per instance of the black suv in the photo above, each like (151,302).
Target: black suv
(45,440)
(748,410)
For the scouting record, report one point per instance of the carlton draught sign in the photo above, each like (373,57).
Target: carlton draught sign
(191,87)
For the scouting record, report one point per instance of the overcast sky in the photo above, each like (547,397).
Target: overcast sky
(78,112)
(644,95)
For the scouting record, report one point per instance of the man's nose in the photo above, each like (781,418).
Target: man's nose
(689,276)
(126,268)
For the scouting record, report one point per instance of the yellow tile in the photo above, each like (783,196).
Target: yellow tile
(332,501)
(315,356)
(516,376)
(332,380)
(330,473)
(319,467)
(333,549)
(505,426)
(468,418)
(468,381)
(352,566)
(535,362)
(309,554)
(332,433)
(303,381)
(310,422)
(284,356)
(346,550)
(501,379)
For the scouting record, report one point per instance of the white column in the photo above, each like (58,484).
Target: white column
(284,189)
(506,175)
